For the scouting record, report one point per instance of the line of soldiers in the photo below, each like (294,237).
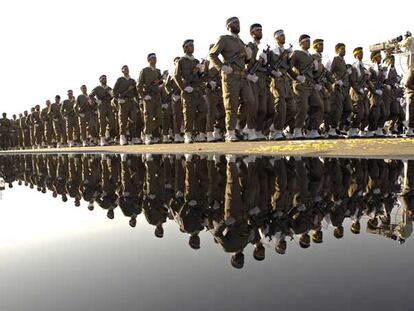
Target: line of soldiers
(258,201)
(240,91)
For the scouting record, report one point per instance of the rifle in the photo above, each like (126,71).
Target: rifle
(281,60)
(258,62)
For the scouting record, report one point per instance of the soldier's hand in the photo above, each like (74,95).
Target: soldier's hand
(301,79)
(378,92)
(226,69)
(188,89)
(147,97)
(318,87)
(252,78)
(276,73)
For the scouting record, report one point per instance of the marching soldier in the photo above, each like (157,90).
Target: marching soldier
(37,127)
(5,127)
(257,75)
(47,124)
(409,87)
(149,82)
(14,132)
(86,111)
(102,95)
(391,104)
(58,124)
(340,104)
(234,78)
(125,92)
(172,89)
(284,105)
(188,76)
(25,130)
(360,107)
(306,91)
(71,120)
(376,110)
(30,125)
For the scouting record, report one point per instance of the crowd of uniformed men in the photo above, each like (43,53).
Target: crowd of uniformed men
(240,92)
(258,201)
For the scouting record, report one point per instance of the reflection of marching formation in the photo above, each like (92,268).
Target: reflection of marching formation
(241,200)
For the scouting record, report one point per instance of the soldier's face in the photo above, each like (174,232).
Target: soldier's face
(103,80)
(342,52)
(189,49)
(319,48)
(281,39)
(305,44)
(57,100)
(153,61)
(257,34)
(70,94)
(26,113)
(235,27)
(84,89)
(47,103)
(360,56)
(125,71)
(14,117)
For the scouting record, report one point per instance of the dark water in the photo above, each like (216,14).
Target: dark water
(156,232)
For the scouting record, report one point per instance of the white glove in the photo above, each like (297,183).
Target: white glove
(361,90)
(263,56)
(301,79)
(276,73)
(147,97)
(164,106)
(176,98)
(388,87)
(349,71)
(318,87)
(226,69)
(249,52)
(339,82)
(378,92)
(213,84)
(188,89)
(252,78)
(82,115)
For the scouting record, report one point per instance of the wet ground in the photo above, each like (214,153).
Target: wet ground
(202,232)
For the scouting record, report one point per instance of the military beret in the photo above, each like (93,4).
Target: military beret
(255,27)
(124,67)
(187,42)
(357,51)
(339,46)
(102,77)
(278,33)
(316,42)
(231,20)
(151,55)
(375,54)
(303,38)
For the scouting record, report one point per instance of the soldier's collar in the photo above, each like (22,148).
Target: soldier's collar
(234,35)
(190,57)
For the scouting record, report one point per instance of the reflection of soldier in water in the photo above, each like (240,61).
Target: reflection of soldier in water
(261,201)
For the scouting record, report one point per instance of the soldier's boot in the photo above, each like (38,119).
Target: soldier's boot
(103,141)
(122,140)
(332,133)
(166,139)
(178,138)
(201,137)
(409,132)
(217,135)
(231,136)
(352,132)
(210,137)
(147,139)
(313,134)
(188,138)
(251,135)
(379,132)
(297,133)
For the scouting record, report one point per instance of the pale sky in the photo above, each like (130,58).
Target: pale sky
(48,47)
